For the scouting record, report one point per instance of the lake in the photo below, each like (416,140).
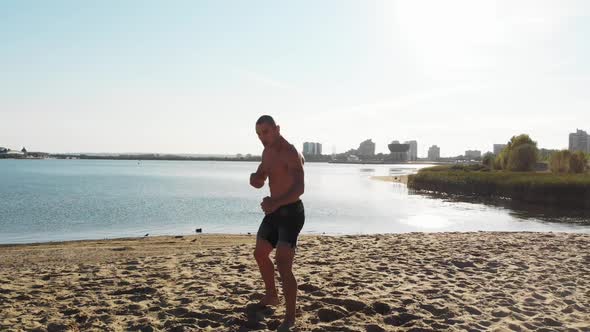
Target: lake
(55,200)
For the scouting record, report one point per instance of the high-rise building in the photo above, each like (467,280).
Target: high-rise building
(473,154)
(498,148)
(306,148)
(413,154)
(579,141)
(366,148)
(434,153)
(398,152)
(312,149)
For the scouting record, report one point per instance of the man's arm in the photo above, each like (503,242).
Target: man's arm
(257,179)
(295,170)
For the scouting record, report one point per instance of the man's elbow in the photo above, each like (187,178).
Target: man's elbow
(257,185)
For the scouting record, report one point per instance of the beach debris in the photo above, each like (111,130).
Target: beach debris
(199,230)
(146,234)
(121,248)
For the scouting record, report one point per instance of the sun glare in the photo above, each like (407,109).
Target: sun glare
(446,36)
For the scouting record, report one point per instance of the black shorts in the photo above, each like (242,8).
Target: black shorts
(283,225)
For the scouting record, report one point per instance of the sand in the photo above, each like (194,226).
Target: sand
(415,282)
(391,178)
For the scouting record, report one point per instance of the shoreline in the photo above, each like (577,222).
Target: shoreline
(233,236)
(384,282)
(548,189)
(392,178)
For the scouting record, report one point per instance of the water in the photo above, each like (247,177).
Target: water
(53,200)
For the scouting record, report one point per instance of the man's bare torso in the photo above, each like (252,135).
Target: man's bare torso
(274,164)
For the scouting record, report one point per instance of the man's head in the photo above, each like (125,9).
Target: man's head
(267,130)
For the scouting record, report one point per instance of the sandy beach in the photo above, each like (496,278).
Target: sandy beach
(391,178)
(415,282)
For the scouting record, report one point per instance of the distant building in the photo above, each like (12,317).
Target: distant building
(312,149)
(13,153)
(473,154)
(352,158)
(23,150)
(434,153)
(366,148)
(398,152)
(579,141)
(413,154)
(498,148)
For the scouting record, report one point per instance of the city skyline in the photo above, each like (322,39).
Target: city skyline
(193,77)
(316,149)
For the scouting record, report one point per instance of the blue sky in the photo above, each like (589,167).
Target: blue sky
(193,76)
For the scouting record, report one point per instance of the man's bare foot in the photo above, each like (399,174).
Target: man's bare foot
(286,325)
(270,300)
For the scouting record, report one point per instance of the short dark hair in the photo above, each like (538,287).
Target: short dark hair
(266,119)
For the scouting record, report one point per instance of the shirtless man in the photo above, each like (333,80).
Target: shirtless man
(284,213)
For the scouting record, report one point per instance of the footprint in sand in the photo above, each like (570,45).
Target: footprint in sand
(350,304)
(308,288)
(374,328)
(381,308)
(436,311)
(401,319)
(327,315)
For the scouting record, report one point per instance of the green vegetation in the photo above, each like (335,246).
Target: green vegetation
(566,162)
(488,160)
(479,180)
(545,154)
(520,155)
(510,175)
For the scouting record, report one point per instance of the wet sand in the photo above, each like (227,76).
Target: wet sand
(415,282)
(391,178)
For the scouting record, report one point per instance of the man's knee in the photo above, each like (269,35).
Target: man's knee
(261,253)
(284,260)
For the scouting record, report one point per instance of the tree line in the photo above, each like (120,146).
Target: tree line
(521,154)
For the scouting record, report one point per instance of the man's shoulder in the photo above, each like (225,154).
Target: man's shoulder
(290,149)
(291,156)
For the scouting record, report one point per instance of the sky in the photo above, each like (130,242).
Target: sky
(193,76)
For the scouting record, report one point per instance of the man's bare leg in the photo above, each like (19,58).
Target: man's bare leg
(284,257)
(267,270)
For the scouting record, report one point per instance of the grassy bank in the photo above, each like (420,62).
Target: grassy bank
(543,188)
